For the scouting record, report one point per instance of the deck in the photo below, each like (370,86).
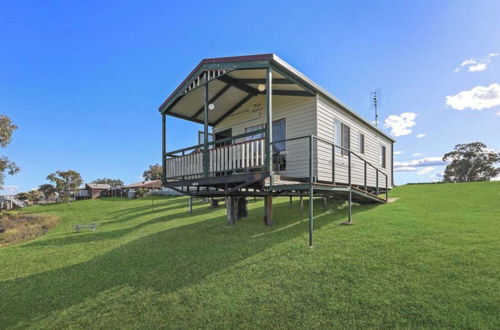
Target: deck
(235,167)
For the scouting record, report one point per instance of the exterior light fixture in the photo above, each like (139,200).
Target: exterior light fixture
(261,87)
(211,106)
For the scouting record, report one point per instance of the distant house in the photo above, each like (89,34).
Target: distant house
(130,190)
(9,202)
(92,191)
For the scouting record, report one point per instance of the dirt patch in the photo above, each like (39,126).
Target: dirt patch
(17,228)
(392,199)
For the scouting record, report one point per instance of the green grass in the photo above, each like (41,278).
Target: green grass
(431,259)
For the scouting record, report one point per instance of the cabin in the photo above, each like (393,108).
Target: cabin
(92,191)
(268,130)
(129,191)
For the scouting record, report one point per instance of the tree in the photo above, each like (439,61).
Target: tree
(7,128)
(34,196)
(154,172)
(471,162)
(23,196)
(140,192)
(47,190)
(65,182)
(31,197)
(114,183)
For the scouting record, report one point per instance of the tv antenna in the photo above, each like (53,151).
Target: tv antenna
(375,103)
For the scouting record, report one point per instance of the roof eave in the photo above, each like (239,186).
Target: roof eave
(217,60)
(279,63)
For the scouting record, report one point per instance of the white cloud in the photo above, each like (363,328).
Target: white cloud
(421,135)
(405,169)
(478,67)
(398,152)
(498,113)
(400,125)
(422,162)
(9,190)
(417,154)
(477,98)
(474,65)
(425,170)
(468,62)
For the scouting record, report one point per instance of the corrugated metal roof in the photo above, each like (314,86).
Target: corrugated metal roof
(145,184)
(102,186)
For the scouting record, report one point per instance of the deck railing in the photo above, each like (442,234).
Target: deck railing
(359,172)
(225,156)
(235,155)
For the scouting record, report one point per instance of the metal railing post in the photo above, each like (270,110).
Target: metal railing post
(377,183)
(269,120)
(349,167)
(333,164)
(206,156)
(311,192)
(366,181)
(164,149)
(386,189)
(311,159)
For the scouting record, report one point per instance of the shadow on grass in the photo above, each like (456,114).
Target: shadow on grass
(157,203)
(165,261)
(77,238)
(127,215)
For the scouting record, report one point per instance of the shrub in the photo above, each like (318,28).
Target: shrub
(140,192)
(17,228)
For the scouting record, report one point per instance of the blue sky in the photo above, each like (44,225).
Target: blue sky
(83,79)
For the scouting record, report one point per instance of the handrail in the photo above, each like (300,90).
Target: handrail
(350,153)
(171,153)
(311,172)
(349,150)
(332,144)
(247,155)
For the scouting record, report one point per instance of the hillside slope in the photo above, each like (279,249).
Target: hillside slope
(428,260)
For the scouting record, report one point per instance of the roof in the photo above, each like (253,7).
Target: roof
(145,184)
(97,186)
(234,80)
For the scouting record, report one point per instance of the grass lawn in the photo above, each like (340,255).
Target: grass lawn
(431,259)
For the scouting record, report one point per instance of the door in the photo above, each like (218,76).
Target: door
(222,135)
(225,158)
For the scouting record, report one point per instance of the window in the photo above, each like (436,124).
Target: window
(342,137)
(361,143)
(279,134)
(253,129)
(382,157)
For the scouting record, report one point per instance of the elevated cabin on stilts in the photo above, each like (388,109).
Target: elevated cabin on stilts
(274,132)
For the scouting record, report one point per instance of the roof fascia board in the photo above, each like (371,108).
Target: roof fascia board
(229,66)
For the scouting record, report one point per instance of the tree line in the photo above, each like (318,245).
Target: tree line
(64,183)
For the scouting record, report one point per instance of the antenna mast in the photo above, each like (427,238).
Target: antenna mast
(375,106)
